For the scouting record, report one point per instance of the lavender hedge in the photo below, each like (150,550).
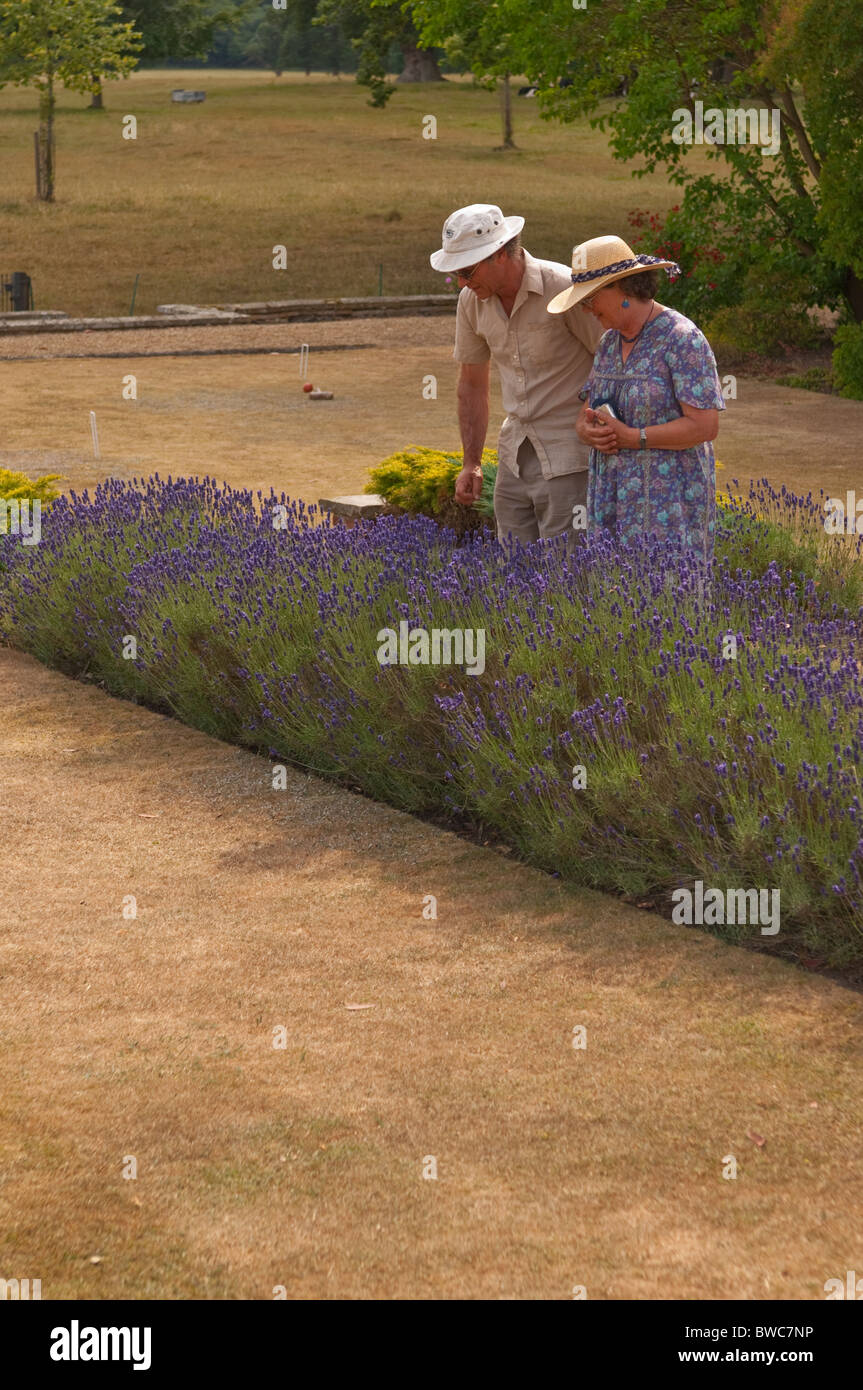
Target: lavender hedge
(736,769)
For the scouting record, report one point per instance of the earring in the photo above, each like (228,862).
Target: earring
(624,303)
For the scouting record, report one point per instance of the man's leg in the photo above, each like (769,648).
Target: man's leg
(554,499)
(513,505)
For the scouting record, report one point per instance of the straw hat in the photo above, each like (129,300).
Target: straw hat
(599,262)
(472,233)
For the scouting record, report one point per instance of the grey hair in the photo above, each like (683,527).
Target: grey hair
(642,286)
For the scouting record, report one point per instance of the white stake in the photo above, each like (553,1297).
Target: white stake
(95,433)
(304,360)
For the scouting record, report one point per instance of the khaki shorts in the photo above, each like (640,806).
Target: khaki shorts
(530,507)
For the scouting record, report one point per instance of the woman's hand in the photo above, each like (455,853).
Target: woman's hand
(625,437)
(595,429)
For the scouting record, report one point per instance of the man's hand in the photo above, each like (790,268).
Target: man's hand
(468,485)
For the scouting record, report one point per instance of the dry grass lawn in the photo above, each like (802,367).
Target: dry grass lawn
(197,202)
(256,1167)
(245,419)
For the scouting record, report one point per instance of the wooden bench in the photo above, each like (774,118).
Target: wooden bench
(362,506)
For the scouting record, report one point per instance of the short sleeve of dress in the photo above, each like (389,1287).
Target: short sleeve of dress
(692,365)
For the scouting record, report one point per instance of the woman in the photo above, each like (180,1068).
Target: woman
(652,468)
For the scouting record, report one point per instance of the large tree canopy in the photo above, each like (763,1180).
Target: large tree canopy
(476,37)
(803,205)
(375,27)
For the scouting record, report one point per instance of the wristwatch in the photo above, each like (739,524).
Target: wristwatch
(642,439)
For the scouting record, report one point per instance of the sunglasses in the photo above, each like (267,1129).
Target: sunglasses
(467,275)
(586,303)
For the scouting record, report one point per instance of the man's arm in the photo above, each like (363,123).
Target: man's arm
(583,326)
(473,384)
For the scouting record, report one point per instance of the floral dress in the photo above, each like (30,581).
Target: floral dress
(669,492)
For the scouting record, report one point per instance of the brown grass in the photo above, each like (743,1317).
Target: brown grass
(246,420)
(256,1167)
(198,201)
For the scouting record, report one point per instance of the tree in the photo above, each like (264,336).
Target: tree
(179,28)
(797,213)
(73,42)
(302,14)
(374,26)
(477,37)
(328,29)
(270,39)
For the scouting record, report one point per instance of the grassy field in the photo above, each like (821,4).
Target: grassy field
(245,419)
(304,1167)
(197,202)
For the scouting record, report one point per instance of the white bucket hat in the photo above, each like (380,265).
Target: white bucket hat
(599,262)
(472,233)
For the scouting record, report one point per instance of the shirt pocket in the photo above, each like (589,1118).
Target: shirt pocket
(542,343)
(496,335)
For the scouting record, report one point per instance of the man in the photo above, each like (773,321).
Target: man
(543,360)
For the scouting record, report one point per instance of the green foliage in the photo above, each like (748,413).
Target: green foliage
(484,504)
(371,30)
(421,481)
(802,207)
(18,485)
(376,28)
(770,318)
(178,28)
(848,361)
(73,42)
(473,34)
(67,41)
(813,379)
(711,273)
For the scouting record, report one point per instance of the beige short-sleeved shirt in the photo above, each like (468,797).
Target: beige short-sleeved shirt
(543,360)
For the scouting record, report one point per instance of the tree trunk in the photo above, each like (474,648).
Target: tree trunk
(419,65)
(45,190)
(96,102)
(853,288)
(335,34)
(506,113)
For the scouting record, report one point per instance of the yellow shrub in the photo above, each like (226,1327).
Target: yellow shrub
(418,479)
(17,485)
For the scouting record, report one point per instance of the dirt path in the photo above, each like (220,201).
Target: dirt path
(152,1038)
(246,420)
